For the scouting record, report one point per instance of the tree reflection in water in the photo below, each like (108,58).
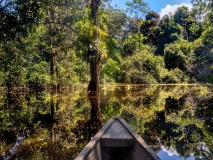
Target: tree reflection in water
(88,128)
(46,125)
(94,123)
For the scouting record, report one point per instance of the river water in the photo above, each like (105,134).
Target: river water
(176,121)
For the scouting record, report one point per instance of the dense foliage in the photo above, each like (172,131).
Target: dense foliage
(46,43)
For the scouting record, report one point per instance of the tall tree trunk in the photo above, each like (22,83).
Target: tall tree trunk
(185,28)
(95,58)
(53,51)
(53,71)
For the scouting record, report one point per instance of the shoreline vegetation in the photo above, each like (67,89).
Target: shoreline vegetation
(85,85)
(52,45)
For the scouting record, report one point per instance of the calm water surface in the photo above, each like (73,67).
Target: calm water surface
(176,121)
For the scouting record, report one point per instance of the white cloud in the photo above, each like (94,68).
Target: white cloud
(170,151)
(169,9)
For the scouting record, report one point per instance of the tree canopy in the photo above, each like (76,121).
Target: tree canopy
(48,44)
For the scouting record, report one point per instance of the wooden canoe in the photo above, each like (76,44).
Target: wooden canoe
(116,140)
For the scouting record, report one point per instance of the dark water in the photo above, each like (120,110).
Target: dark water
(176,121)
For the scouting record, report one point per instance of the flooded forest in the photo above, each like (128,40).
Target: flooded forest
(68,66)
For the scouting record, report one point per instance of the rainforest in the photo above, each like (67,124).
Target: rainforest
(49,44)
(68,66)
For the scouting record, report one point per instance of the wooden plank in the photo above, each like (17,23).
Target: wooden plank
(110,142)
(117,131)
(117,136)
(139,140)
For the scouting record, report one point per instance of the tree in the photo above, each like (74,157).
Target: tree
(150,29)
(138,8)
(133,44)
(94,54)
(169,32)
(17,20)
(58,21)
(202,9)
(142,67)
(184,18)
(180,55)
(115,21)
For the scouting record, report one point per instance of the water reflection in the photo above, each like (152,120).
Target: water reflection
(173,120)
(94,123)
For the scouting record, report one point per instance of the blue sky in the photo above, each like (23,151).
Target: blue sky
(159,6)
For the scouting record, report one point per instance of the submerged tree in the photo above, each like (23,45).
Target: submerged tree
(94,55)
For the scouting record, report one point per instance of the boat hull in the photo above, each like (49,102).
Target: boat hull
(117,141)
